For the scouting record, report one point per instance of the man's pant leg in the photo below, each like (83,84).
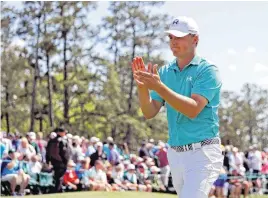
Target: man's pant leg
(174,160)
(165,171)
(58,178)
(202,168)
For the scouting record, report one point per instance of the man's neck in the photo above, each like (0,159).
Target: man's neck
(183,61)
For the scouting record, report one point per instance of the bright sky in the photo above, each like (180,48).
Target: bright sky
(233,35)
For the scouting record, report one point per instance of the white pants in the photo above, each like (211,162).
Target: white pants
(165,171)
(194,172)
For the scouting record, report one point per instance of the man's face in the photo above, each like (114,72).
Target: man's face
(99,148)
(61,133)
(182,46)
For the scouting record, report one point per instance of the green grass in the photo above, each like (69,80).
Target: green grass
(114,195)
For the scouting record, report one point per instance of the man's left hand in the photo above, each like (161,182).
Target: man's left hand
(150,79)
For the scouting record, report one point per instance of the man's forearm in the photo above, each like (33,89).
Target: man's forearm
(146,104)
(182,104)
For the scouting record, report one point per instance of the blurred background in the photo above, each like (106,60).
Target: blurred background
(69,64)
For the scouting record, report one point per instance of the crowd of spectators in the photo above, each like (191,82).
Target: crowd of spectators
(107,166)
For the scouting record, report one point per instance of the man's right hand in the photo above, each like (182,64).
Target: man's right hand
(148,106)
(138,65)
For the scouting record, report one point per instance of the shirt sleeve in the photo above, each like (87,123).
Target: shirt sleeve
(207,83)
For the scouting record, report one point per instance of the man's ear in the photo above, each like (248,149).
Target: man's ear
(196,39)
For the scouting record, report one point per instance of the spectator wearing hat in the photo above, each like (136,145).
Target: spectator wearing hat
(113,157)
(142,176)
(155,178)
(31,136)
(91,148)
(70,178)
(118,177)
(76,148)
(130,178)
(163,163)
(98,178)
(98,155)
(26,148)
(83,172)
(11,172)
(255,164)
(78,167)
(236,161)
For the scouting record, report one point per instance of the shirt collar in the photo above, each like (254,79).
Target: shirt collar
(195,61)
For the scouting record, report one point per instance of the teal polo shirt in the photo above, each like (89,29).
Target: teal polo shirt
(198,77)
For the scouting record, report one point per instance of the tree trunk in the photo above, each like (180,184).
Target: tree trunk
(41,123)
(66,94)
(113,132)
(36,74)
(7,114)
(49,85)
(49,89)
(129,131)
(131,73)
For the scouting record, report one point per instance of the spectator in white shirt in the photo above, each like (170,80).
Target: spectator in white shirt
(26,149)
(98,178)
(255,163)
(236,161)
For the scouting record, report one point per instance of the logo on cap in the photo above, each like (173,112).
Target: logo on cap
(176,21)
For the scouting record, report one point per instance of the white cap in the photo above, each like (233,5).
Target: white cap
(69,135)
(139,159)
(110,139)
(121,166)
(53,135)
(161,144)
(126,162)
(32,135)
(99,144)
(94,139)
(151,140)
(132,155)
(131,167)
(76,137)
(235,149)
(182,26)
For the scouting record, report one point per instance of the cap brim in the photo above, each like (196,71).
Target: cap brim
(177,33)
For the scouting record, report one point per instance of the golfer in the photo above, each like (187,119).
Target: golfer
(189,87)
